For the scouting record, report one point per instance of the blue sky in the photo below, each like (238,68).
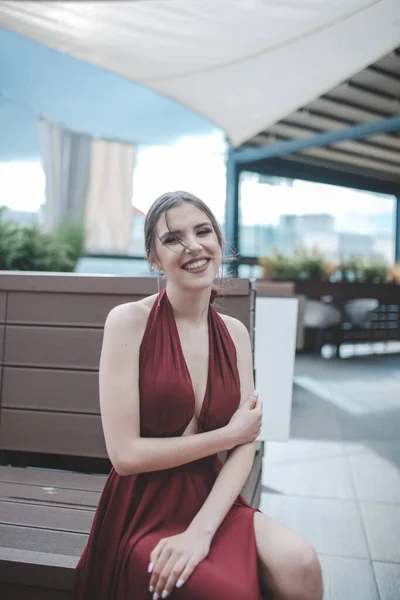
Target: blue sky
(36,80)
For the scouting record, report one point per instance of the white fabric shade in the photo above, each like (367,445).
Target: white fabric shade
(243,64)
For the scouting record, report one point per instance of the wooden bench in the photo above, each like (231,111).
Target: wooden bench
(53,456)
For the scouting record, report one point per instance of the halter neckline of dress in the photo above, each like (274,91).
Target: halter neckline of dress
(164,297)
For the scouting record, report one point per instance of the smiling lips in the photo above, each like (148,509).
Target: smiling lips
(196,265)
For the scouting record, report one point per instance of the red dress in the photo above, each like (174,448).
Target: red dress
(136,511)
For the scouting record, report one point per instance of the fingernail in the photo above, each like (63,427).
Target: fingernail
(156,596)
(179,583)
(164,594)
(150,568)
(151,589)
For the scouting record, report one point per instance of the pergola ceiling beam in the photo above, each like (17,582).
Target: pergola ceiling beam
(387,183)
(362,147)
(349,94)
(389,63)
(377,82)
(351,159)
(337,156)
(354,132)
(335,107)
(323,123)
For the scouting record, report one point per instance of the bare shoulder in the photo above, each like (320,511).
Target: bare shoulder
(130,317)
(237,330)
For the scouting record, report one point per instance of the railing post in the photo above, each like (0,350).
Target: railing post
(397,232)
(232,211)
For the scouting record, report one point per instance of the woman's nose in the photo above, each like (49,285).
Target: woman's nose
(193,245)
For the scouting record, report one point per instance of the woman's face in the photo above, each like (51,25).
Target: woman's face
(188,251)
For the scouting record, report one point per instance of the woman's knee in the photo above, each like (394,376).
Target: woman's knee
(303,580)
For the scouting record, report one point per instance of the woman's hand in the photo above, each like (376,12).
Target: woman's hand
(245,424)
(174,559)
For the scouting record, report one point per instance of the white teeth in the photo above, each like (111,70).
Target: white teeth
(196,265)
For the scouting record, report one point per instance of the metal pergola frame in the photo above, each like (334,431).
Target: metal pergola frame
(265,160)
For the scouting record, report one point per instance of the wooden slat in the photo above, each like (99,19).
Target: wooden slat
(42,540)
(51,390)
(257,493)
(82,309)
(250,486)
(57,479)
(55,347)
(235,306)
(15,591)
(2,306)
(77,283)
(1,362)
(52,433)
(55,518)
(48,495)
(38,569)
(2,328)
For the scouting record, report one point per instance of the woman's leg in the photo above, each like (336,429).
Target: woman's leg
(289,565)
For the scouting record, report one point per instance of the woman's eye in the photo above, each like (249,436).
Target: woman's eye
(204,231)
(171,240)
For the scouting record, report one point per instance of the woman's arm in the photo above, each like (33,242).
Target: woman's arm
(119,403)
(237,467)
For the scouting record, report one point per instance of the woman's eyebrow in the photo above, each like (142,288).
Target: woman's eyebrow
(177,231)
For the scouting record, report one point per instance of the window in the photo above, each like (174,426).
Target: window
(339,222)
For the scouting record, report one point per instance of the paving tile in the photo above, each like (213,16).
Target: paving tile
(348,579)
(388,578)
(389,451)
(381,426)
(309,477)
(382,526)
(313,418)
(333,526)
(299,450)
(376,479)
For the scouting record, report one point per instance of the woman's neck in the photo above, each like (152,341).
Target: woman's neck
(189,306)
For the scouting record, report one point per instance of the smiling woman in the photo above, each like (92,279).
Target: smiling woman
(176,389)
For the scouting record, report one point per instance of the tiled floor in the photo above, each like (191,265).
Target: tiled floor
(337,481)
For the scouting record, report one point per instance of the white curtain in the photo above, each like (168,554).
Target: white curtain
(108,208)
(65,158)
(89,180)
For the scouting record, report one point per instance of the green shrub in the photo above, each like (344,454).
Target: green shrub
(302,265)
(279,266)
(361,270)
(311,265)
(8,233)
(27,248)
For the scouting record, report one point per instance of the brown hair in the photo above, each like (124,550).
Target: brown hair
(161,206)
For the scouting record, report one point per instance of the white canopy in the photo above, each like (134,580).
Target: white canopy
(242,64)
